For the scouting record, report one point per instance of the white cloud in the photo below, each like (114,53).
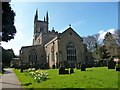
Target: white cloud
(111,31)
(103,32)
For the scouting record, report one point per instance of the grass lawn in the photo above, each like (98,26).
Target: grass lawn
(0,74)
(92,78)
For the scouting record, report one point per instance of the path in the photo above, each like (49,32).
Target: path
(9,81)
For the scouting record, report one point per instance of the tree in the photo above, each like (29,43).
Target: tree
(103,52)
(7,56)
(117,36)
(91,42)
(111,44)
(8,28)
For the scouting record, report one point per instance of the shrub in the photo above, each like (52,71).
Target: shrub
(38,75)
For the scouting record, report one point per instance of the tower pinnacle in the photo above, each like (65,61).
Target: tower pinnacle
(44,18)
(36,15)
(47,18)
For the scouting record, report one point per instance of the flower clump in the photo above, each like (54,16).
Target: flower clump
(38,75)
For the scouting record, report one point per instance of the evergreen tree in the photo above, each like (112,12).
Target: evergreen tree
(7,56)
(8,28)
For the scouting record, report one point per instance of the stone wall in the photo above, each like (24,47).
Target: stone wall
(70,36)
(53,44)
(41,56)
(45,37)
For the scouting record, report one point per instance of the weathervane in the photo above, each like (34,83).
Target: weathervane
(69,25)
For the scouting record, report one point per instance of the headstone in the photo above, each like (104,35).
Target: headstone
(71,70)
(21,70)
(111,65)
(118,67)
(63,71)
(53,66)
(83,68)
(66,72)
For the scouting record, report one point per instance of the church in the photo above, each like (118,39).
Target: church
(51,49)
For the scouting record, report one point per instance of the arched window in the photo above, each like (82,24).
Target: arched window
(71,52)
(52,53)
(32,57)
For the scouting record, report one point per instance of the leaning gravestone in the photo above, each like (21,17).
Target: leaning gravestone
(118,67)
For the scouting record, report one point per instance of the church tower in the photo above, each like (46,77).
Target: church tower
(47,19)
(40,27)
(35,25)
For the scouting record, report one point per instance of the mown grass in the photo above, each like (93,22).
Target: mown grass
(91,78)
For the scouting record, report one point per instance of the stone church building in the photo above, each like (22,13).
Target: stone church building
(51,49)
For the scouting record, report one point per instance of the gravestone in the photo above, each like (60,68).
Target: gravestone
(66,72)
(21,70)
(83,68)
(71,70)
(53,66)
(63,71)
(118,67)
(111,65)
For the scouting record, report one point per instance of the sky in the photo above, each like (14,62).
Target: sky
(86,18)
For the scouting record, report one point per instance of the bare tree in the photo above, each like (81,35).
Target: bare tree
(117,37)
(91,42)
(111,44)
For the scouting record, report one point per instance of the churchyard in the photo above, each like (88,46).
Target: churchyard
(95,77)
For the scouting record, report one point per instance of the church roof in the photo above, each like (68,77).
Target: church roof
(60,35)
(30,46)
(68,30)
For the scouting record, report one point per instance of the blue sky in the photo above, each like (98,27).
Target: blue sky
(86,18)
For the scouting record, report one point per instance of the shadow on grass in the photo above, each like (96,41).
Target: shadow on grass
(72,89)
(26,84)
